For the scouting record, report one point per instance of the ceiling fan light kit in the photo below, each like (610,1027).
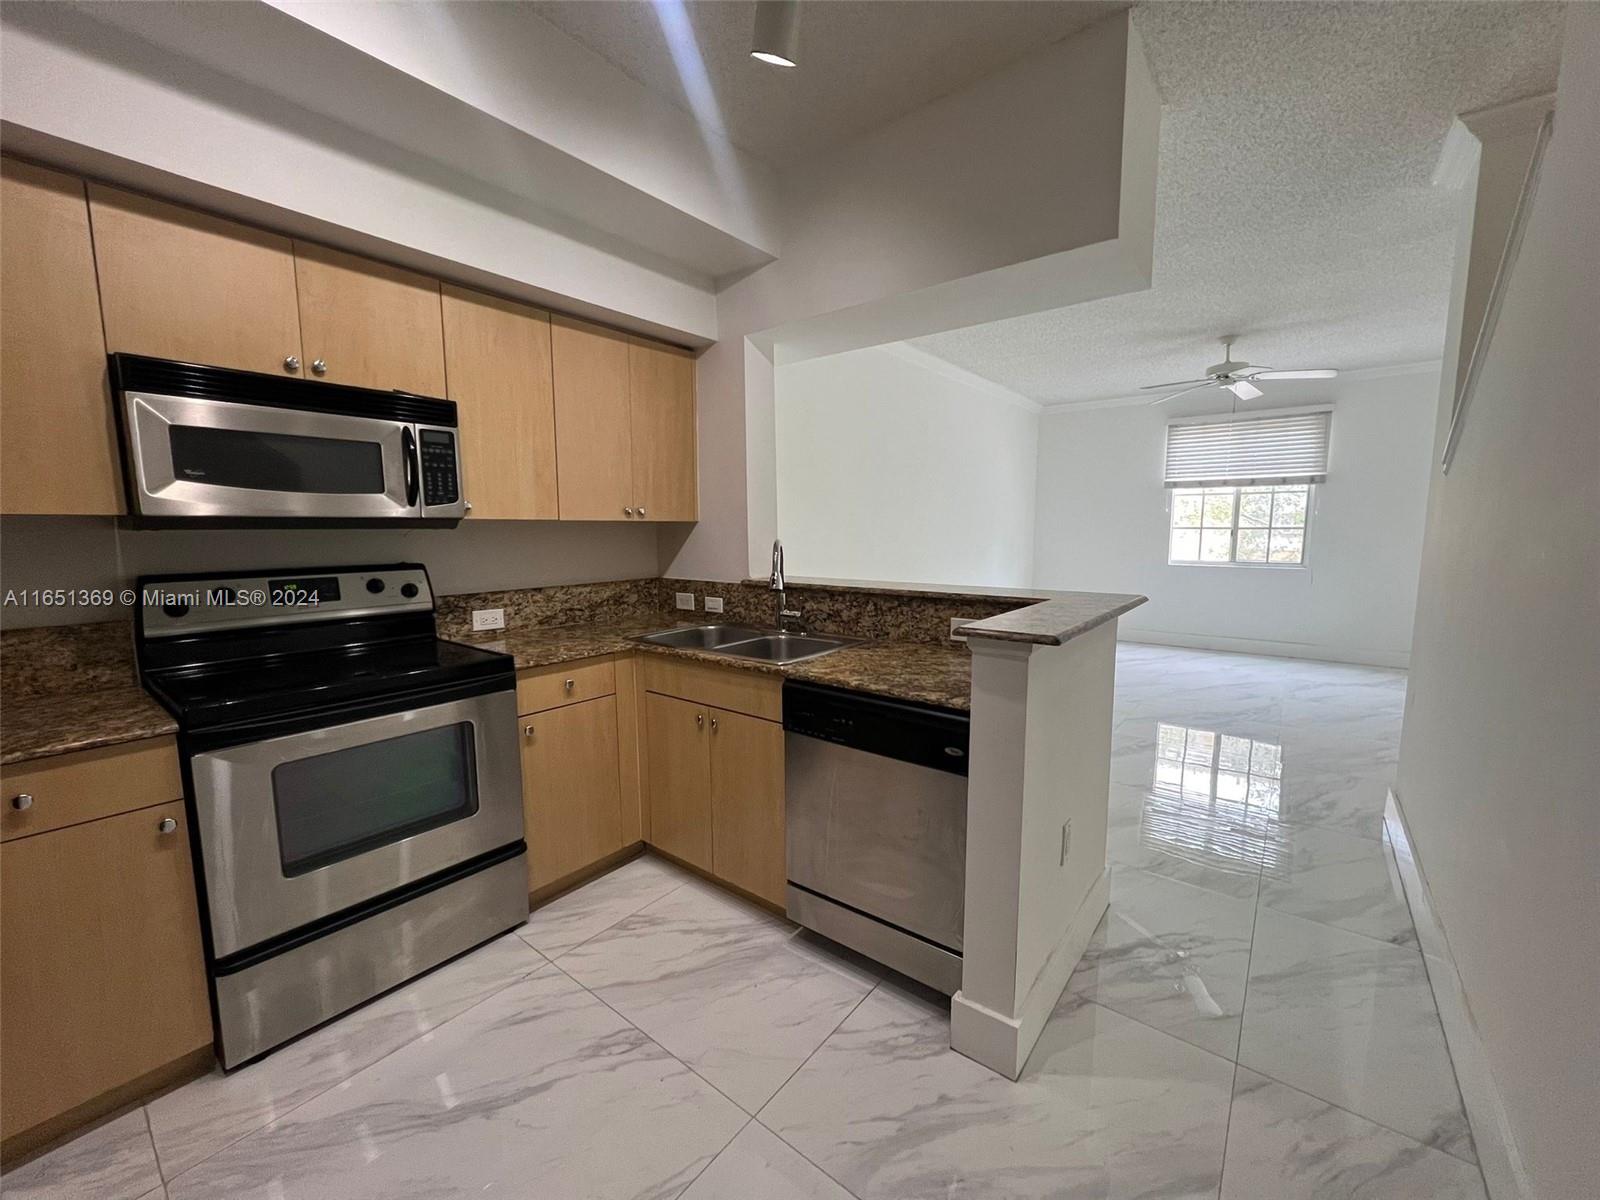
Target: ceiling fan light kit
(1235,376)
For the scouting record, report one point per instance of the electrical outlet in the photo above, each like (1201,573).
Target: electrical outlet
(684,600)
(956,624)
(488,618)
(714,604)
(1066,840)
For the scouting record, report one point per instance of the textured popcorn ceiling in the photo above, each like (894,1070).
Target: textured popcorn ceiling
(1293,202)
(861,62)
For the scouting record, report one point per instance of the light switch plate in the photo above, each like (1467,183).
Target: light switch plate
(714,604)
(684,600)
(488,618)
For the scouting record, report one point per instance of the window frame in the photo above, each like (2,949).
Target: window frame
(1233,530)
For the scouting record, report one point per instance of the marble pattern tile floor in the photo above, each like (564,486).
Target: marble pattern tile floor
(1252,1020)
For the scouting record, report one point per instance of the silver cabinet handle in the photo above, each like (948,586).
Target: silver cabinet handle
(527,731)
(569,684)
(468,504)
(700,719)
(167,825)
(21,801)
(318,367)
(713,724)
(291,363)
(627,512)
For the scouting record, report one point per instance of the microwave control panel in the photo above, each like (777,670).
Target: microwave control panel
(440,478)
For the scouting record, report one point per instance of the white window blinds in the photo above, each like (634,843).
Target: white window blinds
(1255,448)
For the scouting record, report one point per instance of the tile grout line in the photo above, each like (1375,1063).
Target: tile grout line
(710,1162)
(1244,999)
(632,912)
(360,1071)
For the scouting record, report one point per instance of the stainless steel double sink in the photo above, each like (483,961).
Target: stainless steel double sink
(741,641)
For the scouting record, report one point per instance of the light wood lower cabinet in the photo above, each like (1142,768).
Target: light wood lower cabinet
(571,788)
(58,442)
(747,822)
(680,778)
(102,981)
(716,792)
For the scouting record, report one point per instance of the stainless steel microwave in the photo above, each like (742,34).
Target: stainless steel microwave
(210,445)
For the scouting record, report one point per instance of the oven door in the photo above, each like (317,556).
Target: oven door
(298,828)
(215,458)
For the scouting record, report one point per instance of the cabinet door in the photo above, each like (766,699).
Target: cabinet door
(662,419)
(571,793)
(680,778)
(369,324)
(58,439)
(102,978)
(497,367)
(747,803)
(594,456)
(175,283)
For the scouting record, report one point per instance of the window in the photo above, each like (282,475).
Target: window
(1262,526)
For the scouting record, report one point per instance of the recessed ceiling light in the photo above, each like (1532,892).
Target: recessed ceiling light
(776,39)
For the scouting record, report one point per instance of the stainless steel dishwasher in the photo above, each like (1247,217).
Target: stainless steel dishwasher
(876,799)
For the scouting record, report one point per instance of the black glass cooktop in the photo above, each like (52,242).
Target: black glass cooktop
(295,683)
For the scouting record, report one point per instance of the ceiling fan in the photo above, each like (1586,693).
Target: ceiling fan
(1240,378)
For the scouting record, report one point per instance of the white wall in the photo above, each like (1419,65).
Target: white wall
(1102,524)
(1499,755)
(893,465)
(92,552)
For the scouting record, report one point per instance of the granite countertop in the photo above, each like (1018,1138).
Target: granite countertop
(1055,621)
(916,671)
(59,722)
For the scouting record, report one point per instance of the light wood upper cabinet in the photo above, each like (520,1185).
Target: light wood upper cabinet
(680,778)
(369,324)
(594,446)
(176,283)
(571,792)
(58,438)
(661,406)
(497,364)
(102,982)
(747,829)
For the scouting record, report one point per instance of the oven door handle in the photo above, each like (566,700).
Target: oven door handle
(408,452)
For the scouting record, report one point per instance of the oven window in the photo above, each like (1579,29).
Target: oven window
(339,805)
(275,462)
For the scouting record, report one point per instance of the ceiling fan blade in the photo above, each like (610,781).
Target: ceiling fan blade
(1156,387)
(1180,392)
(1244,389)
(1320,374)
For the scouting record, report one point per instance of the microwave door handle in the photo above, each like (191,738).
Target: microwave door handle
(408,451)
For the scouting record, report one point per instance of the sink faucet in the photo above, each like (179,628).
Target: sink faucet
(776,584)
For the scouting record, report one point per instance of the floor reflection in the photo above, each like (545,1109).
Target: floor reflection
(1212,796)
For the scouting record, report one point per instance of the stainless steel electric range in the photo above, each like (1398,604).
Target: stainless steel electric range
(353,786)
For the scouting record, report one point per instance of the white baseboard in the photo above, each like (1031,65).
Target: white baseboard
(1503,1172)
(1001,1042)
(1197,641)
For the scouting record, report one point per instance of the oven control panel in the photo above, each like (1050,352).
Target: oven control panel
(441,479)
(181,606)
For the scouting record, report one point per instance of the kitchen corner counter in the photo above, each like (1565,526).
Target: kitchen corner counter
(1056,621)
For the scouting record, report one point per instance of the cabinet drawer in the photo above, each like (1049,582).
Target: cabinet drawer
(68,789)
(568,683)
(752,692)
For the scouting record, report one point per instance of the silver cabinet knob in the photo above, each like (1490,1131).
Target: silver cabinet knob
(627,512)
(713,724)
(318,367)
(569,683)
(167,825)
(291,363)
(21,801)
(641,510)
(700,719)
(468,504)
(527,731)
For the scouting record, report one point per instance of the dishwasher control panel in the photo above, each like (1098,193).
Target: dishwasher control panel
(912,733)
